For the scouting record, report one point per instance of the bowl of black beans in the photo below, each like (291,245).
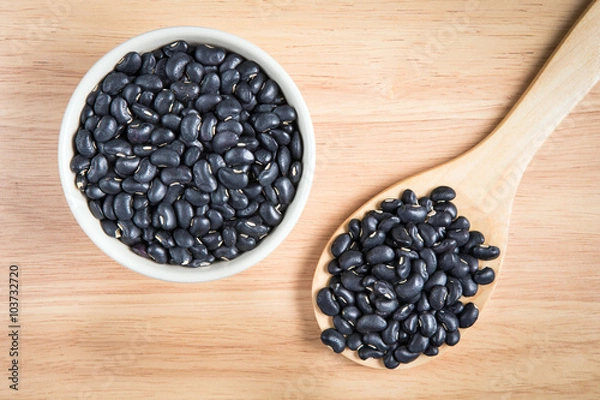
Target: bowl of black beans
(186,154)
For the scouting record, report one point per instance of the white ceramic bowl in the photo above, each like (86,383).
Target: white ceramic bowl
(118,251)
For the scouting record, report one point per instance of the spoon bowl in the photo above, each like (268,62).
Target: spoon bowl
(486,177)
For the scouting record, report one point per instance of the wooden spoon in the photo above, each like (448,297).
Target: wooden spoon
(487,176)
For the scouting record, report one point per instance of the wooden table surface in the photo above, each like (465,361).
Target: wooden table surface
(394,87)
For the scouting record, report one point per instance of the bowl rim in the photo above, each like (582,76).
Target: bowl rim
(118,251)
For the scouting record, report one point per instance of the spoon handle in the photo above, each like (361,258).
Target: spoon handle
(568,75)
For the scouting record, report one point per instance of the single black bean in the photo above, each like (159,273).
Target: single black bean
(194,72)
(98,168)
(123,206)
(412,213)
(184,212)
(142,218)
(404,356)
(468,316)
(352,280)
(199,226)
(484,276)
(149,82)
(106,129)
(180,255)
(209,55)
(285,190)
(447,207)
(437,297)
(171,121)
(354,341)
(211,83)
(456,308)
(110,228)
(334,339)
(223,141)
(189,128)
(108,209)
(385,307)
(176,65)
(370,323)
(363,303)
(130,63)
(166,215)
(400,235)
(139,132)
(165,239)
(130,233)
(428,234)
(461,236)
(452,338)
(216,219)
(180,174)
(270,214)
(183,238)
(79,164)
(266,121)
(203,176)
(84,143)
(350,313)
(110,184)
(102,104)
(114,82)
(485,252)
(389,361)
(185,91)
(428,324)
(469,286)
(119,109)
(410,324)
(145,172)
(431,351)
(385,272)
(439,337)
(327,303)
(95,207)
(411,287)
(380,254)
(442,193)
(207,102)
(342,326)
(286,113)
(418,343)
(455,291)
(448,319)
(350,259)
(440,219)
(125,166)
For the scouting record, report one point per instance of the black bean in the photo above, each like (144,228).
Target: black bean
(327,303)
(142,218)
(180,255)
(114,82)
(211,83)
(131,186)
(455,291)
(185,91)
(404,356)
(370,323)
(468,316)
(130,63)
(285,190)
(102,104)
(411,287)
(452,338)
(286,113)
(149,82)
(98,168)
(84,143)
(469,286)
(341,244)
(400,235)
(130,233)
(269,174)
(342,326)
(418,343)
(446,207)
(448,319)
(380,254)
(385,272)
(350,259)
(442,193)
(106,129)
(428,324)
(334,339)
(176,65)
(180,174)
(110,184)
(131,93)
(166,215)
(265,121)
(484,276)
(485,252)
(410,324)
(171,121)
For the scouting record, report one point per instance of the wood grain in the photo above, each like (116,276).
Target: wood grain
(384,80)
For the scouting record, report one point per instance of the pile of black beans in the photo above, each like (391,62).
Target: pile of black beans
(399,277)
(188,154)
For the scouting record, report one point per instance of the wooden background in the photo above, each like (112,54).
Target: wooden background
(394,87)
